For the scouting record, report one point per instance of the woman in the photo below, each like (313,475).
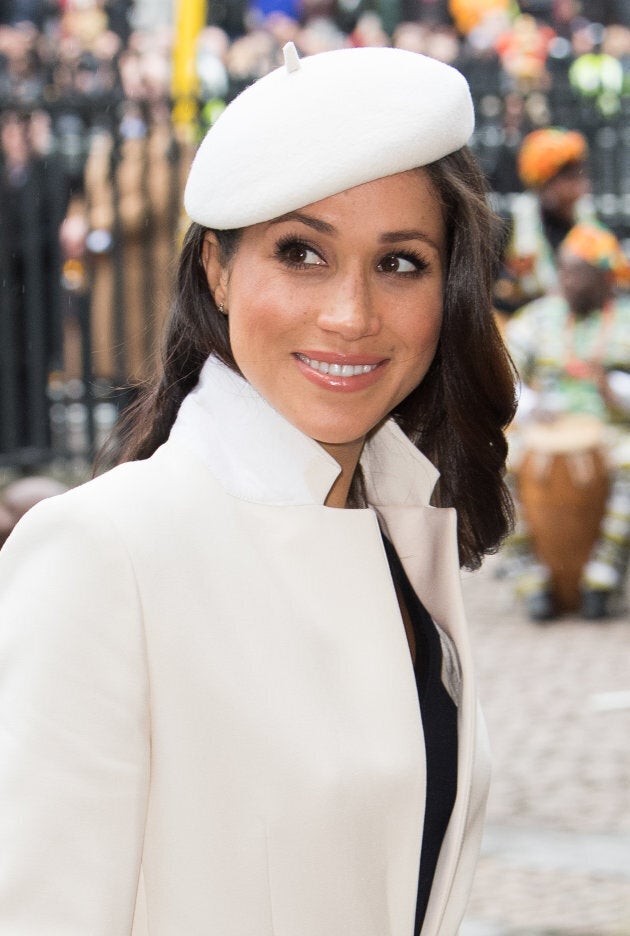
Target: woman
(226,709)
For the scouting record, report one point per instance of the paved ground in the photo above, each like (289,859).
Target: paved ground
(556,854)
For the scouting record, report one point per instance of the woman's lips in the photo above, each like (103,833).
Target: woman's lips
(338,371)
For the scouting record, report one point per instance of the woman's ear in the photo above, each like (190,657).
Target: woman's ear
(217,274)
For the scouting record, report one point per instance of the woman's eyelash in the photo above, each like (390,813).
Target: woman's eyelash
(293,244)
(416,259)
(286,244)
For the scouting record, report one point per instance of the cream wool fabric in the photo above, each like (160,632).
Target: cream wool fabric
(322,124)
(208,714)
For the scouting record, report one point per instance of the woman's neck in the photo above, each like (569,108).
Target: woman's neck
(347,456)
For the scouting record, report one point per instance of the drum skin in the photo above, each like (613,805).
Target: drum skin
(563,496)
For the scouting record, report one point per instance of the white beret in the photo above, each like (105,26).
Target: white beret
(319,125)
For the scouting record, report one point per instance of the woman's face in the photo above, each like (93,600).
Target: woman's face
(335,310)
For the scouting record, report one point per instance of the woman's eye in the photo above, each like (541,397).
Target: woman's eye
(402,263)
(298,254)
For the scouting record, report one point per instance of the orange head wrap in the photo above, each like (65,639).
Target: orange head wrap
(597,246)
(545,152)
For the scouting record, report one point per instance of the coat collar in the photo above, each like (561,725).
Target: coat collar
(257,455)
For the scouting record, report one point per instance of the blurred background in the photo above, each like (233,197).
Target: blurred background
(103,103)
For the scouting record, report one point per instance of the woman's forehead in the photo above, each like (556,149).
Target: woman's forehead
(402,206)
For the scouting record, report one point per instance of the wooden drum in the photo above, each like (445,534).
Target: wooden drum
(563,484)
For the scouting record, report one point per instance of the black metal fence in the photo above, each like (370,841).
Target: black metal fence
(91,211)
(78,323)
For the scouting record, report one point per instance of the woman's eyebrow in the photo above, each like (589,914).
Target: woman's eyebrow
(323,227)
(316,223)
(391,237)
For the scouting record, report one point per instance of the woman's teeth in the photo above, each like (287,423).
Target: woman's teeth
(337,370)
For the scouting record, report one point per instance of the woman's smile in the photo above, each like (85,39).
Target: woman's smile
(335,311)
(339,372)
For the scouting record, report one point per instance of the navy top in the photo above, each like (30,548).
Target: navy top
(439,722)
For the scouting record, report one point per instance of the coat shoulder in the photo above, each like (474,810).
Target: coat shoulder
(111,508)
(135,489)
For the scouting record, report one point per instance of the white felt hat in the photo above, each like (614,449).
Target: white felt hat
(323,124)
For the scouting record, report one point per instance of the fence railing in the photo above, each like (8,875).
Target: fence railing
(78,324)
(90,222)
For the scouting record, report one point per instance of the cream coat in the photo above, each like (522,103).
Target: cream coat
(208,714)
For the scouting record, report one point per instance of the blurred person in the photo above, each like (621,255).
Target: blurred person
(34,193)
(599,76)
(27,12)
(542,10)
(119,18)
(214,84)
(22,72)
(387,11)
(564,12)
(259,10)
(479,60)
(552,165)
(229,15)
(369,31)
(607,12)
(319,9)
(443,44)
(470,15)
(321,34)
(501,168)
(237,689)
(616,42)
(84,21)
(572,352)
(282,28)
(411,36)
(437,41)
(124,212)
(84,68)
(430,12)
(523,50)
(250,57)
(153,16)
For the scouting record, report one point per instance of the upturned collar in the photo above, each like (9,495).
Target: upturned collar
(257,455)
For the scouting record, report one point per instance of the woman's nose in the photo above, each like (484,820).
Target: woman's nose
(350,309)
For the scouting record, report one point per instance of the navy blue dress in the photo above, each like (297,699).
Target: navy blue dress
(439,720)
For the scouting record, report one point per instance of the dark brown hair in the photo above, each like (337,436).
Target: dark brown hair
(458,413)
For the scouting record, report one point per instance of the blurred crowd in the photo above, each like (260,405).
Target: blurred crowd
(92,52)
(86,93)
(84,83)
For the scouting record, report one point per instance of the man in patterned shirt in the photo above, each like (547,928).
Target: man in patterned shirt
(572,351)
(552,165)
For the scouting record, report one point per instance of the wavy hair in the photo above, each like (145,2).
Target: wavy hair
(457,415)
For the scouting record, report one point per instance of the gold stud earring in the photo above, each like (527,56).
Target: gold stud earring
(221,307)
